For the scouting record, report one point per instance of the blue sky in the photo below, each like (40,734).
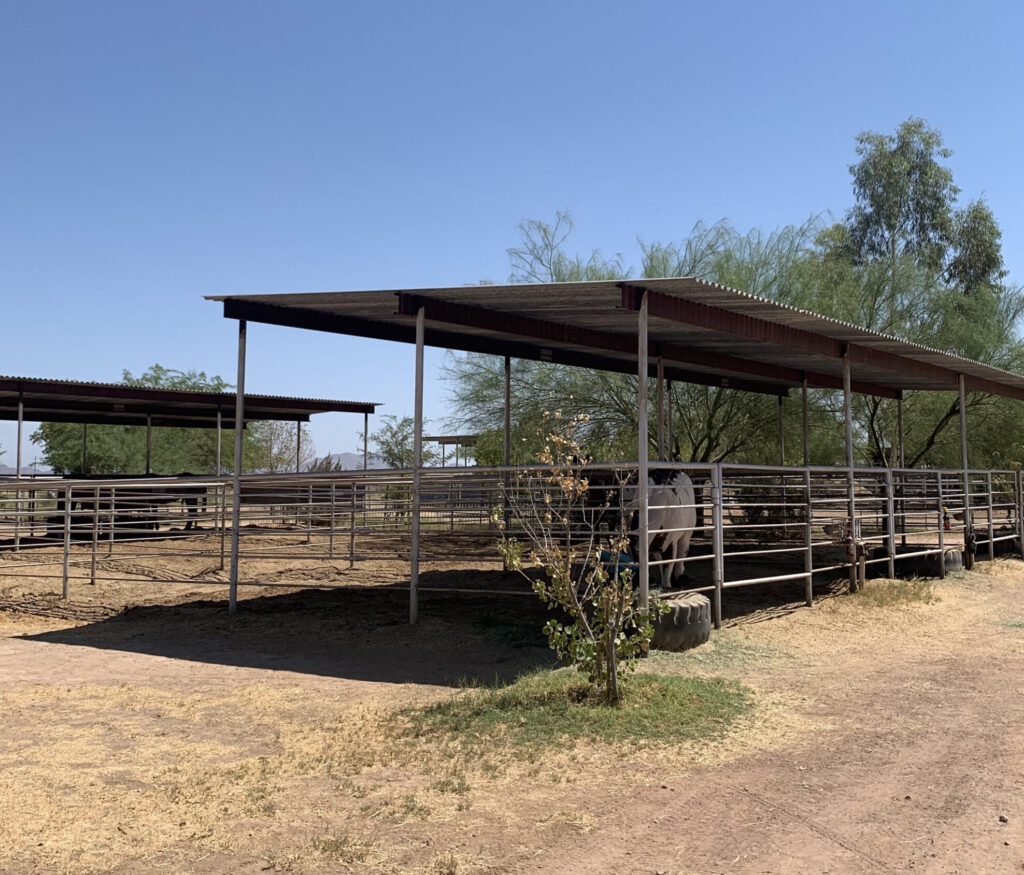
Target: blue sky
(156,152)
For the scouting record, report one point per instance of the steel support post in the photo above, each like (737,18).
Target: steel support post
(85,446)
(668,415)
(417,471)
(17,476)
(942,525)
(366,440)
(508,412)
(851,538)
(149,444)
(642,445)
(717,544)
(804,422)
(221,492)
(661,409)
(901,464)
(969,544)
(506,455)
(298,447)
(782,437)
(890,513)
(808,542)
(900,458)
(236,481)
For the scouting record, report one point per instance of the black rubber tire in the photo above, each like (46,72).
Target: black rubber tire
(686,625)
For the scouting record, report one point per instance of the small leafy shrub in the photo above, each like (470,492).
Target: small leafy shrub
(601,628)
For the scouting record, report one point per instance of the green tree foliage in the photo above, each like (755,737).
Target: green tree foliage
(709,424)
(121,449)
(271,447)
(393,444)
(905,260)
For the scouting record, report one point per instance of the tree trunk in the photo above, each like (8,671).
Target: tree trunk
(613,671)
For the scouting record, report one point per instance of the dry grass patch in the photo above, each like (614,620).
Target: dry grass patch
(339,849)
(886,593)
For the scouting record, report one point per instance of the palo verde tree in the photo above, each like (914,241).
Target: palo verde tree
(709,424)
(272,446)
(393,444)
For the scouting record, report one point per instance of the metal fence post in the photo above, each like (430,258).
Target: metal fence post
(808,541)
(17,516)
(67,541)
(309,517)
(1019,499)
(95,532)
(330,530)
(991,527)
(222,505)
(718,542)
(969,542)
(113,521)
(890,511)
(352,530)
(942,525)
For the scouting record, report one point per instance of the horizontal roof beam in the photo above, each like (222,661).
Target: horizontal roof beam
(296,317)
(716,319)
(469,316)
(32,390)
(665,307)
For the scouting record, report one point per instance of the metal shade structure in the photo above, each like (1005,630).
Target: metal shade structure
(35,399)
(703,332)
(674,329)
(451,440)
(73,401)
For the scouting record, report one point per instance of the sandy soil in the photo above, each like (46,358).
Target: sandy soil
(172,738)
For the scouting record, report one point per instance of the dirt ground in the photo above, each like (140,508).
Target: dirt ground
(170,737)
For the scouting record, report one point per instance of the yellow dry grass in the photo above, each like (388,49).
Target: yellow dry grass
(150,775)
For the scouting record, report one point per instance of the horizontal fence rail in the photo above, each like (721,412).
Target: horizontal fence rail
(713,527)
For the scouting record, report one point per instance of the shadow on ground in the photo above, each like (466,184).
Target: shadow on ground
(355,634)
(361,634)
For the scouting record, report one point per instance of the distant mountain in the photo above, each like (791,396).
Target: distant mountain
(354,461)
(32,471)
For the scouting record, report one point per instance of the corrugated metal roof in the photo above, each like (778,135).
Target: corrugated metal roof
(46,400)
(704,332)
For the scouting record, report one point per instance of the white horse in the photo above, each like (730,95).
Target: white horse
(672,516)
